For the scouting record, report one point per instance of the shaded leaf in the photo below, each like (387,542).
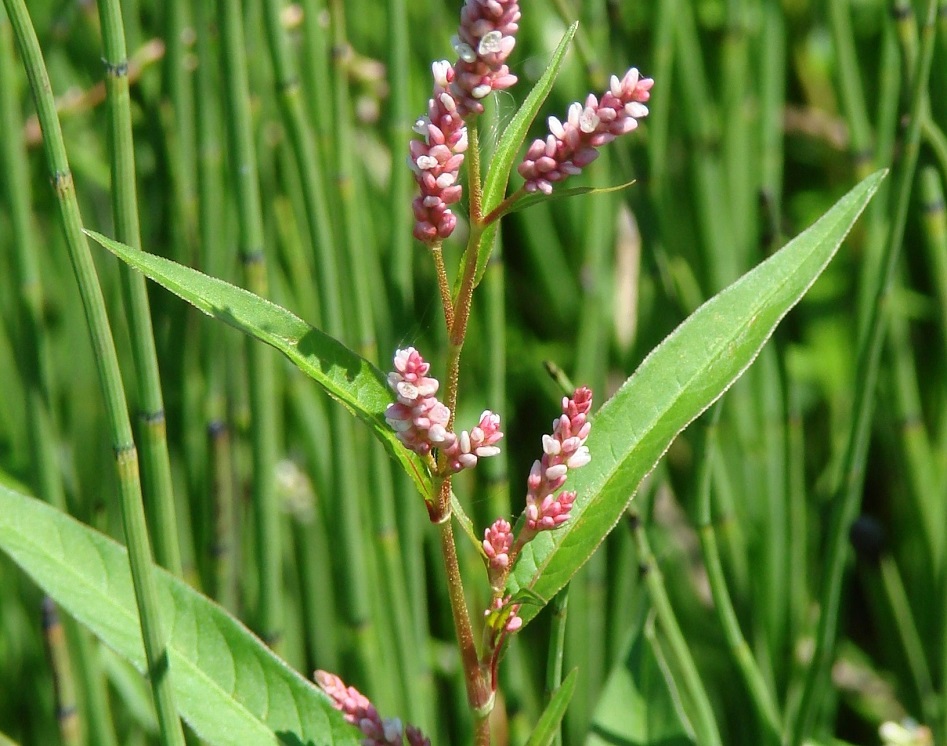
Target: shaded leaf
(638,706)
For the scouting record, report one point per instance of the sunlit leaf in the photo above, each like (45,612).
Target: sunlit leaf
(510,142)
(548,724)
(344,374)
(683,376)
(228,685)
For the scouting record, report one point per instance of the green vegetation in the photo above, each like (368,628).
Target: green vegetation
(781,573)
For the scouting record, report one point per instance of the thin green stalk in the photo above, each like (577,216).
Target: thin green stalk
(888,97)
(554,657)
(849,492)
(100,727)
(936,140)
(913,436)
(220,528)
(915,652)
(34,342)
(224,537)
(760,694)
(156,464)
(850,89)
(180,134)
(260,361)
(935,243)
(308,162)
(120,431)
(739,154)
(33,357)
(721,253)
(399,133)
(700,712)
(798,514)
(358,251)
(768,399)
(316,49)
(67,712)
(772,105)
(310,423)
(401,639)
(589,614)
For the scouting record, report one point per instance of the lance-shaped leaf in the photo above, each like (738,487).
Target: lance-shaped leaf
(509,144)
(228,685)
(681,377)
(345,375)
(639,703)
(547,727)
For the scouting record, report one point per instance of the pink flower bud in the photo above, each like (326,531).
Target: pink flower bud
(563,450)
(571,145)
(497,542)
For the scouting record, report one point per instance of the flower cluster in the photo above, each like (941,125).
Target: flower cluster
(502,616)
(563,450)
(497,543)
(436,160)
(360,712)
(572,145)
(483,43)
(421,421)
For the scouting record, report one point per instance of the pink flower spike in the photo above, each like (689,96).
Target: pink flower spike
(360,712)
(497,542)
(436,160)
(563,450)
(415,736)
(418,418)
(477,443)
(484,41)
(572,144)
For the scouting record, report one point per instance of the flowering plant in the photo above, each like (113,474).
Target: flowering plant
(202,663)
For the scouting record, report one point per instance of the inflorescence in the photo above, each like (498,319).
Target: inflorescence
(360,712)
(422,423)
(573,144)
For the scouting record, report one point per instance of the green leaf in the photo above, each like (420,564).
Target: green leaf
(229,686)
(638,705)
(346,376)
(548,723)
(508,147)
(681,377)
(528,200)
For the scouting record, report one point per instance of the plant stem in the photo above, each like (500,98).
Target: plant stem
(33,356)
(443,285)
(479,693)
(126,457)
(753,679)
(849,492)
(67,713)
(700,712)
(156,464)
(260,368)
(557,640)
(399,132)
